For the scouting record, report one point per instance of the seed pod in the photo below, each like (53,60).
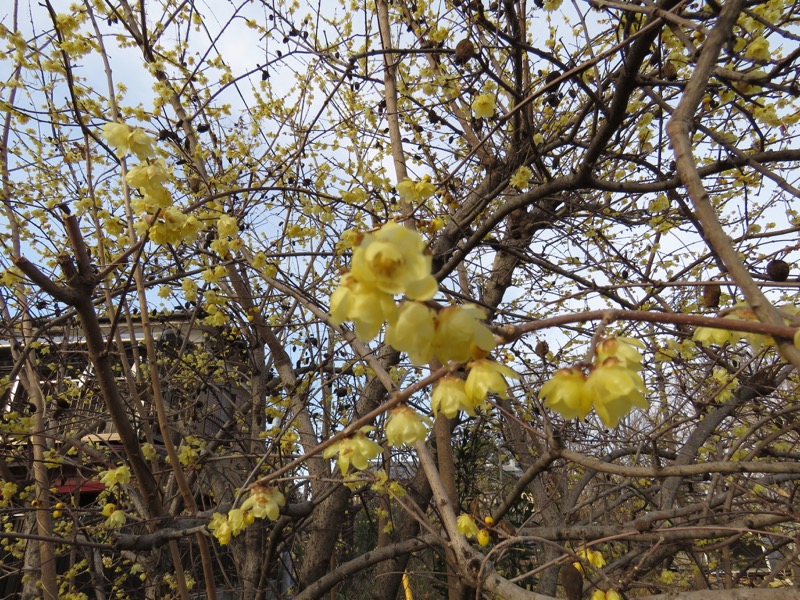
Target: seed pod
(669,71)
(572,580)
(778,270)
(465,50)
(711,294)
(541,349)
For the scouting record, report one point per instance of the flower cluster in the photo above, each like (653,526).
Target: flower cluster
(710,336)
(159,218)
(613,386)
(356,450)
(386,263)
(390,262)
(262,502)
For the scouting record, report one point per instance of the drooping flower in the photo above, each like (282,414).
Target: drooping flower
(220,527)
(393,261)
(460,334)
(113,477)
(415,192)
(405,426)
(466,526)
(413,332)
(448,396)
(593,557)
(236,520)
(623,349)
(615,390)
(366,306)
(116,519)
(356,450)
(566,393)
(483,106)
(484,537)
(264,502)
(486,376)
(521,178)
(147,176)
(126,139)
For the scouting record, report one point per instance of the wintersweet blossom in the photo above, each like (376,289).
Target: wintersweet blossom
(366,306)
(486,376)
(566,393)
(220,527)
(521,178)
(126,139)
(609,595)
(116,519)
(623,349)
(483,537)
(466,526)
(448,396)
(405,426)
(460,334)
(615,391)
(593,557)
(356,450)
(416,192)
(119,476)
(393,260)
(413,332)
(264,502)
(483,106)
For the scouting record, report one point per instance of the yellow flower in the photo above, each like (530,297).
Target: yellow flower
(264,502)
(484,377)
(366,306)
(521,178)
(236,520)
(758,49)
(594,557)
(116,519)
(567,394)
(125,139)
(710,336)
(108,509)
(613,595)
(448,396)
(148,176)
(460,334)
(483,537)
(118,476)
(615,390)
(357,450)
(483,106)
(413,331)
(415,192)
(466,526)
(227,227)
(405,427)
(220,527)
(392,260)
(623,349)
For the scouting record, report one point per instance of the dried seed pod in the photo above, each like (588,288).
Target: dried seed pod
(669,71)
(465,50)
(778,270)
(711,294)
(541,349)
(572,580)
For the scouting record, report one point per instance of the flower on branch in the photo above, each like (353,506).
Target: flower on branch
(356,450)
(405,426)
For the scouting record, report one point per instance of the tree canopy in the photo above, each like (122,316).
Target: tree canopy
(427,298)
